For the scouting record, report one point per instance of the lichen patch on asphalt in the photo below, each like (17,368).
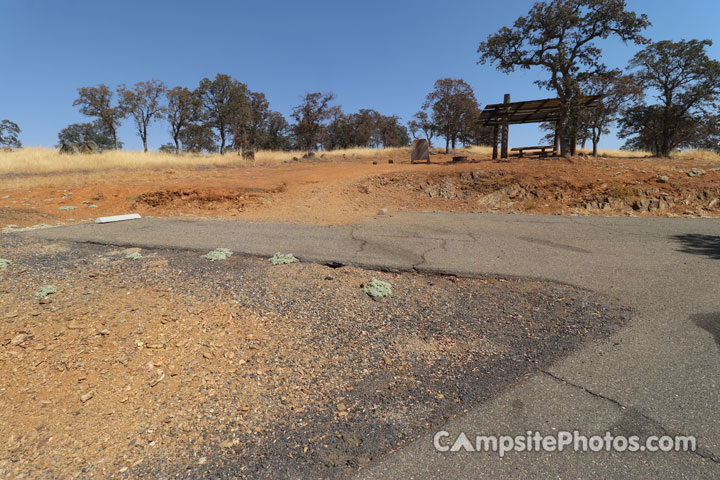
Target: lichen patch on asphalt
(174,366)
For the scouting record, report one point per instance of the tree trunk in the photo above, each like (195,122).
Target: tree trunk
(447,144)
(595,147)
(177,145)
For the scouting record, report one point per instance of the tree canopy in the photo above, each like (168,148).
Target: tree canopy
(225,106)
(79,133)
(686,85)
(560,37)
(182,108)
(310,119)
(142,103)
(9,134)
(453,109)
(97,102)
(366,128)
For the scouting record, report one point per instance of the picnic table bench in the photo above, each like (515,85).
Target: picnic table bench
(540,150)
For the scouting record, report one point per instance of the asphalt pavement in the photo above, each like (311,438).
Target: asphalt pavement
(658,375)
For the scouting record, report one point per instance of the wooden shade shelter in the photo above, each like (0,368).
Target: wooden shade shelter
(502,115)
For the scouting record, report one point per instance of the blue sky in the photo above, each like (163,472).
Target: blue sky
(383,55)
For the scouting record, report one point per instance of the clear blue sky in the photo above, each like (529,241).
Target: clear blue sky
(384,55)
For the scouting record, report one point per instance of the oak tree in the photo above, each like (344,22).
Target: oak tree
(686,84)
(224,103)
(143,104)
(453,109)
(182,109)
(310,119)
(97,102)
(422,125)
(79,133)
(9,134)
(560,37)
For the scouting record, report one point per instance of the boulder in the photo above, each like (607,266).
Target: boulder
(89,147)
(69,148)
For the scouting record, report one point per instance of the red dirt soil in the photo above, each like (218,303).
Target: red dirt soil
(348,191)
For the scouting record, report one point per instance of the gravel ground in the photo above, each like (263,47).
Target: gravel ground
(171,365)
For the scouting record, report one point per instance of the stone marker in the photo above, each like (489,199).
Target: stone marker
(117,218)
(420,151)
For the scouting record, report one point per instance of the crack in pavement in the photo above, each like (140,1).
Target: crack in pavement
(363,242)
(423,259)
(702,453)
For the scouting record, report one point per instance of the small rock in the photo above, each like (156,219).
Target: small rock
(695,172)
(382,211)
(19,339)
(159,376)
(662,178)
(202,461)
(87,397)
(375,162)
(46,290)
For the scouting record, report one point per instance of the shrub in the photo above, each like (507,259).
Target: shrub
(218,254)
(378,289)
(46,290)
(282,258)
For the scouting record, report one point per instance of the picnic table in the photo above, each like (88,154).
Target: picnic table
(540,150)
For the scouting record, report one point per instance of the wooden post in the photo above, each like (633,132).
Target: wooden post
(556,141)
(505,129)
(496,132)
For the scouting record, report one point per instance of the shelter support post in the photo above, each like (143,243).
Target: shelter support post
(496,133)
(556,140)
(505,128)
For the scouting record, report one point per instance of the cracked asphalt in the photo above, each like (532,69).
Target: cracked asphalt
(658,375)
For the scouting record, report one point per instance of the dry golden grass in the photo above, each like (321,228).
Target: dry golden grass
(479,150)
(36,160)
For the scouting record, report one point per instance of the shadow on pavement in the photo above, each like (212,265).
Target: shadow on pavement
(710,322)
(698,244)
